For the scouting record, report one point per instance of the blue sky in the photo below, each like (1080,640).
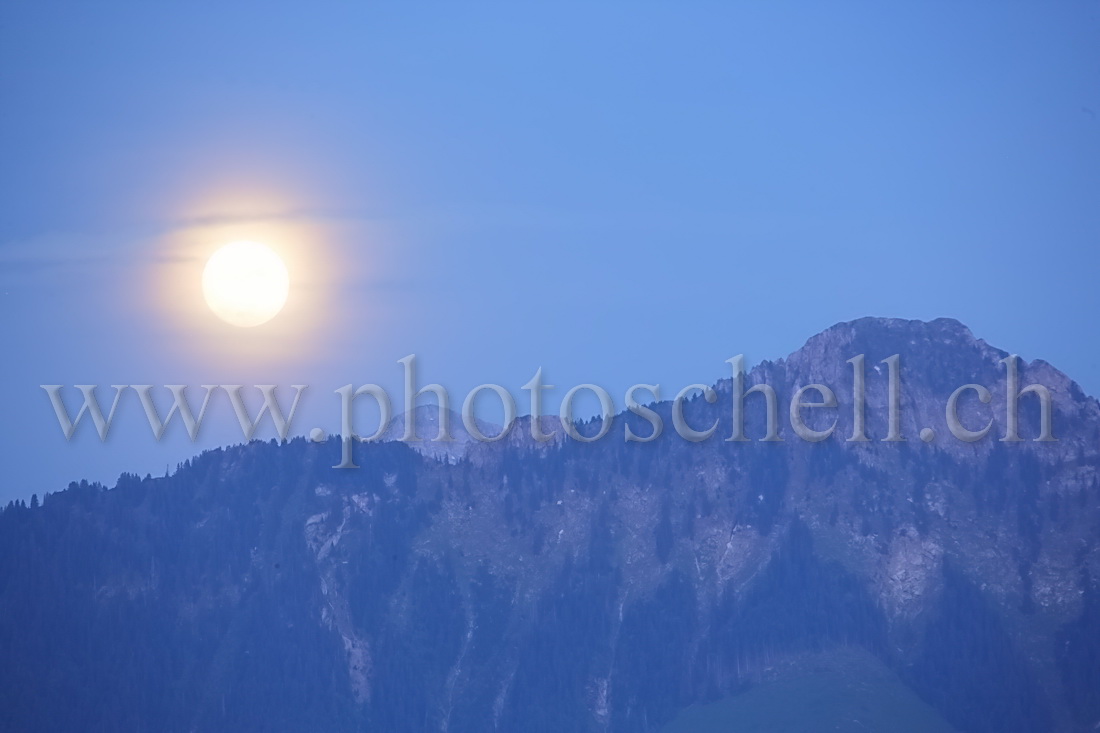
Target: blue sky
(623,193)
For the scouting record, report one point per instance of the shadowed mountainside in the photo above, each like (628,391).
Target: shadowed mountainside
(584,587)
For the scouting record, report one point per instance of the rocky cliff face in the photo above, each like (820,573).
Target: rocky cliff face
(597,587)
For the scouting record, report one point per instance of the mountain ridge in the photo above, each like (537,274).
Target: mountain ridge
(599,587)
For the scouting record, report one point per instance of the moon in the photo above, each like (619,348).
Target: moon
(245,283)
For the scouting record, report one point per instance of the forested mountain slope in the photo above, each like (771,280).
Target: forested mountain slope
(579,587)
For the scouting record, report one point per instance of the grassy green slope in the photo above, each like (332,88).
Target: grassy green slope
(844,691)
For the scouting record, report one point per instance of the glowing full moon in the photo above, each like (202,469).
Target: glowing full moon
(245,283)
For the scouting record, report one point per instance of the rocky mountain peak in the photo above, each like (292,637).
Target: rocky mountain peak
(597,587)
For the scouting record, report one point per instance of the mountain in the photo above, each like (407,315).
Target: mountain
(427,428)
(604,586)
